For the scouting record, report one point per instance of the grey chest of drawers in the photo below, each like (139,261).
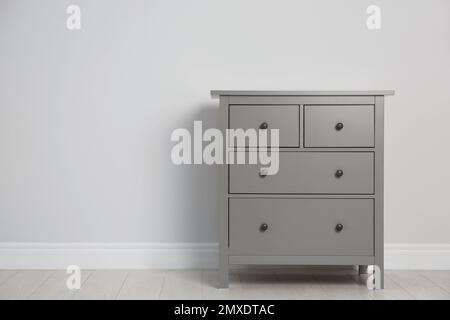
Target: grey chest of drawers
(325,204)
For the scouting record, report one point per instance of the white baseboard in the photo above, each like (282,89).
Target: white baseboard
(417,256)
(15,255)
(108,255)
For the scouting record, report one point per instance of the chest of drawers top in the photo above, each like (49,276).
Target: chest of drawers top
(217,93)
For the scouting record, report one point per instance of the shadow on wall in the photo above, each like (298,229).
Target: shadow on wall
(196,189)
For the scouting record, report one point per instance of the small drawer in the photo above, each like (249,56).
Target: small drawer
(334,227)
(308,173)
(339,126)
(283,117)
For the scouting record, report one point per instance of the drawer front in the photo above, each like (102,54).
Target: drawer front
(309,173)
(339,126)
(284,117)
(301,227)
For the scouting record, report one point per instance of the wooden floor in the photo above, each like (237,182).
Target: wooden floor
(244,284)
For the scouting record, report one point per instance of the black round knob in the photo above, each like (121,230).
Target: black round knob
(339,227)
(264,125)
(262,173)
(339,126)
(339,173)
(263,227)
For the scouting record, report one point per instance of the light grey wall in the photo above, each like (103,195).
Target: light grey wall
(86,116)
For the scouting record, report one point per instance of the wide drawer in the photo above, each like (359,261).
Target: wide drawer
(339,126)
(301,227)
(285,118)
(308,173)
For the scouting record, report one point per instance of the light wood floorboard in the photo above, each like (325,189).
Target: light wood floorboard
(438,277)
(417,285)
(102,285)
(245,283)
(142,285)
(181,285)
(22,284)
(55,287)
(6,274)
